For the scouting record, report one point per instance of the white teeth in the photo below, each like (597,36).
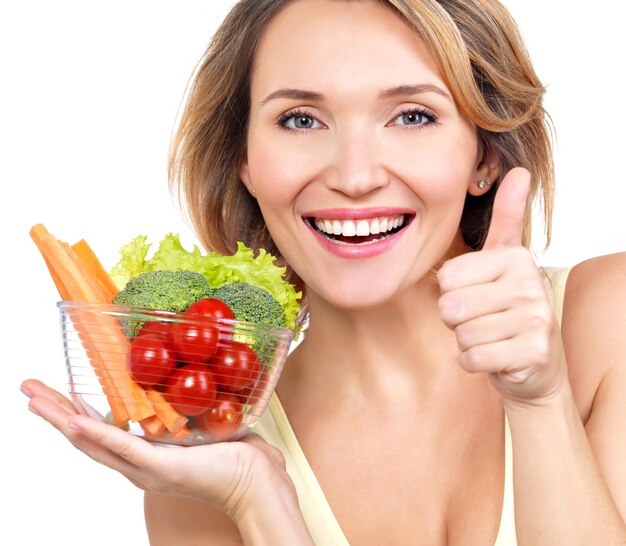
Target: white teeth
(362,227)
(348,229)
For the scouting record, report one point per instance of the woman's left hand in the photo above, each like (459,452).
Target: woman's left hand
(495,302)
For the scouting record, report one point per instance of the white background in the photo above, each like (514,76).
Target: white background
(89,96)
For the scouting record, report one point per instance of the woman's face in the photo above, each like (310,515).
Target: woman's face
(357,154)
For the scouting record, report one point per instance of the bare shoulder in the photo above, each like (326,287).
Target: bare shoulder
(598,278)
(185,522)
(594,318)
(594,323)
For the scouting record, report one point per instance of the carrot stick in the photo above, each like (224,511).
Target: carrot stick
(153,426)
(173,421)
(88,258)
(181,434)
(38,233)
(117,389)
(106,346)
(44,241)
(80,285)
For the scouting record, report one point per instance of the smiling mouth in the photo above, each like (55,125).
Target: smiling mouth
(362,231)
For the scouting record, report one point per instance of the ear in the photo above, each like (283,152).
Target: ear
(487,168)
(244,174)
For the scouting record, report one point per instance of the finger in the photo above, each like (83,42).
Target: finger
(99,452)
(509,209)
(516,357)
(490,358)
(35,388)
(520,290)
(56,415)
(485,267)
(489,329)
(49,410)
(132,449)
(471,302)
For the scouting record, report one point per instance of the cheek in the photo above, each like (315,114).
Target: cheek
(281,164)
(279,171)
(436,165)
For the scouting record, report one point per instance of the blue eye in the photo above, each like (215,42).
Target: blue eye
(298,121)
(415,118)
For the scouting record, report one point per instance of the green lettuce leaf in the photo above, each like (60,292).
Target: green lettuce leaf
(242,266)
(171,256)
(132,261)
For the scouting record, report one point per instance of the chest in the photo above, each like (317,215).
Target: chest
(408,481)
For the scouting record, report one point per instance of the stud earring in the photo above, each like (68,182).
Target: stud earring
(482,184)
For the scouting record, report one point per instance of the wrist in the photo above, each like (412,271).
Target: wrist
(273,518)
(557,405)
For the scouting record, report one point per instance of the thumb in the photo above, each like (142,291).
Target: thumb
(509,208)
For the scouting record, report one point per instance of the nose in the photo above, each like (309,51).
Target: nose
(357,168)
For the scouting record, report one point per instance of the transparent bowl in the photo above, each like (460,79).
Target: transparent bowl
(151,373)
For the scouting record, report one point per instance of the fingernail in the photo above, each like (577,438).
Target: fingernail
(26,392)
(33,410)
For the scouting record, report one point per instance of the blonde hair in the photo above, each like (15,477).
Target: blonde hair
(484,63)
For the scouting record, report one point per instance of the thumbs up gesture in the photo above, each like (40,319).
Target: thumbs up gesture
(495,302)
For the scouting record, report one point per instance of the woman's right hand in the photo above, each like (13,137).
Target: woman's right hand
(231,476)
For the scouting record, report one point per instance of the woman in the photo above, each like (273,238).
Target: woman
(387,151)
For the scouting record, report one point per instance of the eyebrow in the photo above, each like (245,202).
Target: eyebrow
(407,90)
(401,90)
(299,94)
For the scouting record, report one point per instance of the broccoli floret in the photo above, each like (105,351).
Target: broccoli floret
(251,303)
(165,290)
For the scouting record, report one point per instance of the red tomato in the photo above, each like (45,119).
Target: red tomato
(191,389)
(151,359)
(157,327)
(223,418)
(210,307)
(257,394)
(196,341)
(235,365)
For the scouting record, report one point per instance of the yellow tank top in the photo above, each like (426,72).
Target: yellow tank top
(275,428)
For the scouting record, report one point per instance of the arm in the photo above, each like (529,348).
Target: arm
(184,522)
(174,520)
(495,302)
(570,483)
(246,480)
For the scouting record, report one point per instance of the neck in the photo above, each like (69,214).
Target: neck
(399,345)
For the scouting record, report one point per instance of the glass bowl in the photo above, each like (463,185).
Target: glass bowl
(170,378)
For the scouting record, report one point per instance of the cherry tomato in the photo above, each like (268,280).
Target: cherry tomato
(256,394)
(191,389)
(235,365)
(157,327)
(196,341)
(151,359)
(210,307)
(216,310)
(223,418)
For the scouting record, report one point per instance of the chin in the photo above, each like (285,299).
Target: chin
(362,293)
